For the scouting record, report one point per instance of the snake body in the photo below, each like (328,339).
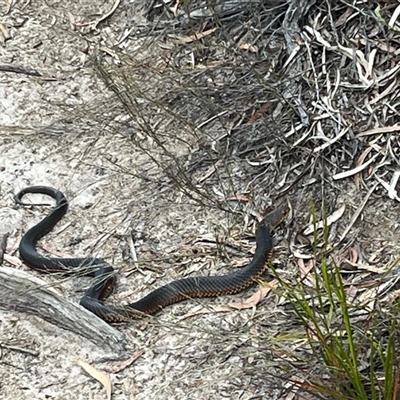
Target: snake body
(176,291)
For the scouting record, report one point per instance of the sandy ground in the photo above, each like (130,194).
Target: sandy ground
(147,229)
(45,141)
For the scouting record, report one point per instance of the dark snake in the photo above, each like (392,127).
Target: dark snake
(104,282)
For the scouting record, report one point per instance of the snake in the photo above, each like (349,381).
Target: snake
(104,280)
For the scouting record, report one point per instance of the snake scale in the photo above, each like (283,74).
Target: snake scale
(104,282)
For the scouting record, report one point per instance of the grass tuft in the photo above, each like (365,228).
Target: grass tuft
(351,357)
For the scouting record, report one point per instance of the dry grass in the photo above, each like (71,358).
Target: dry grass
(277,102)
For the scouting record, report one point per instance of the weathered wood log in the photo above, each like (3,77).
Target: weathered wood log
(22,292)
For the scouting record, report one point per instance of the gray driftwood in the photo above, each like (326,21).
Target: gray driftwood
(20,291)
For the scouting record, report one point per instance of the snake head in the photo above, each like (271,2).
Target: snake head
(276,216)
